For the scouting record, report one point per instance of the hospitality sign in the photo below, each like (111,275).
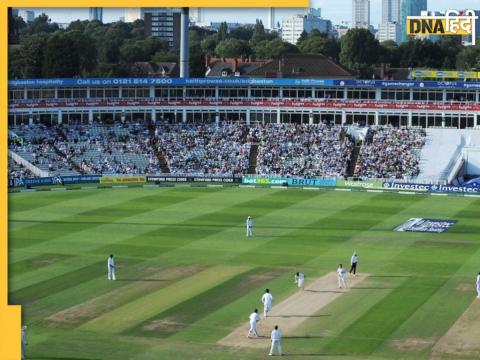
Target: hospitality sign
(452,23)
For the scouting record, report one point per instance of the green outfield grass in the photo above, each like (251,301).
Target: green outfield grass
(188,276)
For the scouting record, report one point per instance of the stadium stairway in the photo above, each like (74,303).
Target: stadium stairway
(252,159)
(353,161)
(156,149)
(59,152)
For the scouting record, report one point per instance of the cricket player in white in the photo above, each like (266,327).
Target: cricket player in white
(249,226)
(111,268)
(300,280)
(341,277)
(267,299)
(24,341)
(276,338)
(478,285)
(254,318)
(353,263)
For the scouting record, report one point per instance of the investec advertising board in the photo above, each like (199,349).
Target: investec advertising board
(452,23)
(392,185)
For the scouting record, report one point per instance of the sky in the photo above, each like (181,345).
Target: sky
(331,10)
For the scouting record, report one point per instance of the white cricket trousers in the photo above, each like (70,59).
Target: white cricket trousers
(253,329)
(341,282)
(478,290)
(266,308)
(249,231)
(278,345)
(111,274)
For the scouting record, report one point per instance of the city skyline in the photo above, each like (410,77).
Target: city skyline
(330,10)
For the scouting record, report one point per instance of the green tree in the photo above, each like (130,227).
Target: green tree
(258,33)
(450,46)
(41,24)
(320,43)
(222,33)
(16,62)
(389,53)
(165,56)
(359,51)
(420,53)
(232,48)
(61,57)
(273,49)
(208,44)
(132,52)
(33,54)
(85,48)
(242,33)
(468,58)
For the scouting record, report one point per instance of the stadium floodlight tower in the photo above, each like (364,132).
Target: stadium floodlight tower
(184,43)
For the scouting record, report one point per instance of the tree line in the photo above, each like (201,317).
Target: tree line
(91,48)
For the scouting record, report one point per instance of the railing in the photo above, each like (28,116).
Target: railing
(28,165)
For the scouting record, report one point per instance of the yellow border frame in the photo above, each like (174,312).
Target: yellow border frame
(10,315)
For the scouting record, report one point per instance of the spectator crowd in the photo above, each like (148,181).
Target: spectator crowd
(303,150)
(390,153)
(208,149)
(137,147)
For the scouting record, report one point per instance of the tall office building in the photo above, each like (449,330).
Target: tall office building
(27,15)
(96,13)
(410,8)
(388,31)
(163,23)
(390,11)
(294,25)
(361,14)
(196,15)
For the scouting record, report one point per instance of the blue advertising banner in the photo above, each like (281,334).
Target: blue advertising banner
(241,81)
(392,185)
(54,180)
(316,182)
(425,225)
(268,180)
(79,179)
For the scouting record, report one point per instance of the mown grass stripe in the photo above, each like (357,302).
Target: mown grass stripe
(197,307)
(34,263)
(84,302)
(391,312)
(135,312)
(59,283)
(43,231)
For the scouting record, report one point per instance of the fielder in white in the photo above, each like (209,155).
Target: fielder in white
(478,285)
(267,299)
(300,280)
(254,318)
(111,268)
(24,341)
(341,277)
(249,226)
(276,338)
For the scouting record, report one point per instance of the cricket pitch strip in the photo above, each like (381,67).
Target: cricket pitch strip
(291,312)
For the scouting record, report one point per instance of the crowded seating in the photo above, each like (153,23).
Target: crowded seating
(303,150)
(207,149)
(390,153)
(137,147)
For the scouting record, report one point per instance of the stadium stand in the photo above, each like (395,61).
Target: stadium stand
(219,149)
(306,150)
(390,152)
(138,147)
